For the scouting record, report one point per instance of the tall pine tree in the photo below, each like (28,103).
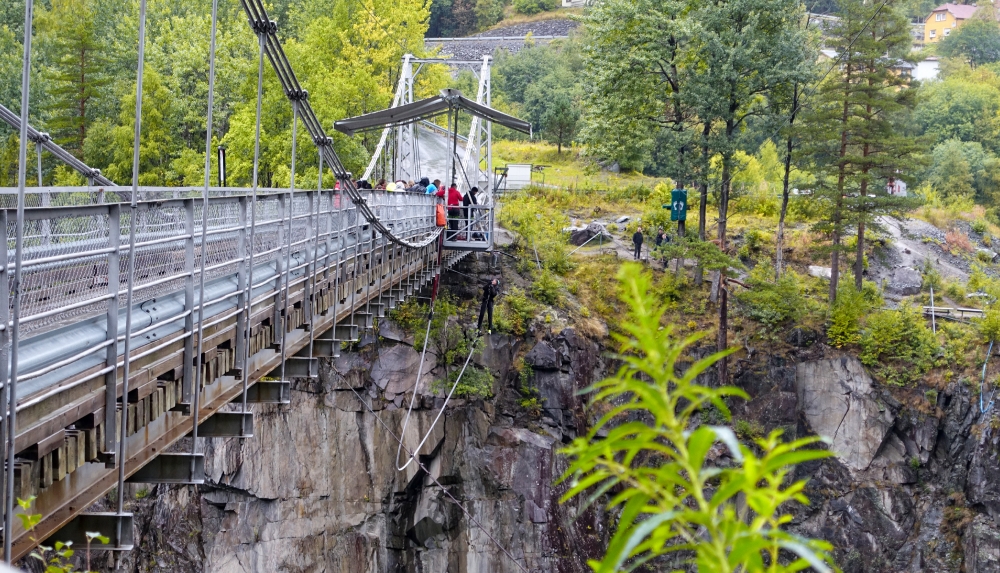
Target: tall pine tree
(746,51)
(855,123)
(76,70)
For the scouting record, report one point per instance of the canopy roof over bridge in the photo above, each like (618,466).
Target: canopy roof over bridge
(450,99)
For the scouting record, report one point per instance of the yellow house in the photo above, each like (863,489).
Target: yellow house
(944,19)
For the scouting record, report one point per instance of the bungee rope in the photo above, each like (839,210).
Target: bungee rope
(982,384)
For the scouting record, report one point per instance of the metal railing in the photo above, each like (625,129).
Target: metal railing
(470,227)
(310,249)
(67,277)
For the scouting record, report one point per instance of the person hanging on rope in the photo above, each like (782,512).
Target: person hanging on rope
(490,292)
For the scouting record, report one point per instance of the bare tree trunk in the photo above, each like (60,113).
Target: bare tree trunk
(722,340)
(779,261)
(839,200)
(703,196)
(859,264)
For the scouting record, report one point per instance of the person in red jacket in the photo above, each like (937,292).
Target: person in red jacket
(454,201)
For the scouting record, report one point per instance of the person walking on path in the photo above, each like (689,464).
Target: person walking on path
(490,292)
(637,241)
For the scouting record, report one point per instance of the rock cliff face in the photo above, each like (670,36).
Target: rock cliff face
(914,486)
(317,488)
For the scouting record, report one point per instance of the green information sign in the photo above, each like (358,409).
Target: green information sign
(678,205)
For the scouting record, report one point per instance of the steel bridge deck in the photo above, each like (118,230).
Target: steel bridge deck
(339,276)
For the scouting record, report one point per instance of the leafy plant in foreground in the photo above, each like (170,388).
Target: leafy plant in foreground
(58,557)
(672,499)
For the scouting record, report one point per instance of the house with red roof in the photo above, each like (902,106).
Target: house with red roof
(944,19)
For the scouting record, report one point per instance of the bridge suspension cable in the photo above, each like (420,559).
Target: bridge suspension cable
(45,141)
(267,31)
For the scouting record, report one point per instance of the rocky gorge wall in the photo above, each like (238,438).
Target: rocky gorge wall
(913,488)
(317,490)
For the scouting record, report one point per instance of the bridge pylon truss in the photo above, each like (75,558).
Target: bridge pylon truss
(397,155)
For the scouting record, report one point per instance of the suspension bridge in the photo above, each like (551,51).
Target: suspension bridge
(139,316)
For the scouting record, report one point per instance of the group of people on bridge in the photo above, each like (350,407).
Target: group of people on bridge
(460,206)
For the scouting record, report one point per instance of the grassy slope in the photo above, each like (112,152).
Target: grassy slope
(567,169)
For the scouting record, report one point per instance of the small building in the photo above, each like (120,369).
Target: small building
(944,19)
(927,69)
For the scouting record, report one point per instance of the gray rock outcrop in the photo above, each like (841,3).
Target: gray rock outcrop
(593,232)
(905,281)
(835,398)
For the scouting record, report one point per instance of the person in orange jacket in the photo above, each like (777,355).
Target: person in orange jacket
(454,201)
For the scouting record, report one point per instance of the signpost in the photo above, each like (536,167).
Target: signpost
(678,209)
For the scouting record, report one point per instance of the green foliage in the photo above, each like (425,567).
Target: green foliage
(546,288)
(539,229)
(848,311)
(747,430)
(542,81)
(77,74)
(769,302)
(976,41)
(672,499)
(753,240)
(964,170)
(530,398)
(980,227)
(989,325)
(514,313)
(476,382)
(853,129)
(961,342)
(962,106)
(450,345)
(898,345)
(707,253)
(488,12)
(57,558)
(529,7)
(932,278)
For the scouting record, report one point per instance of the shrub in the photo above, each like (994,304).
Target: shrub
(514,313)
(898,345)
(753,240)
(932,278)
(960,344)
(539,229)
(529,7)
(846,315)
(957,242)
(475,383)
(979,227)
(546,288)
(530,399)
(674,500)
(670,288)
(989,325)
(748,430)
(768,302)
